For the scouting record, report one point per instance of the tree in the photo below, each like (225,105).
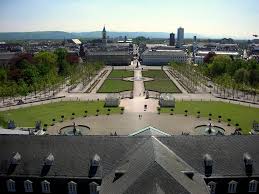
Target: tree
(241,75)
(210,116)
(46,58)
(73,115)
(218,66)
(209,57)
(30,74)
(219,118)
(186,113)
(97,112)
(62,118)
(172,110)
(63,65)
(109,110)
(23,89)
(86,113)
(3,75)
(198,114)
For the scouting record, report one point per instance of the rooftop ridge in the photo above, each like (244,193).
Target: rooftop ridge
(175,165)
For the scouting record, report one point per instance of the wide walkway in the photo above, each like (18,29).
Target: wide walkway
(139,88)
(130,122)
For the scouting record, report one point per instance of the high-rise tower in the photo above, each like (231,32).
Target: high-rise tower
(172,39)
(180,37)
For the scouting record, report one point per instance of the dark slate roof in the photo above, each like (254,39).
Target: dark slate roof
(150,164)
(226,151)
(149,168)
(72,154)
(155,180)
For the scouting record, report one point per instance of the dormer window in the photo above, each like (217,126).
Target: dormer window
(28,186)
(72,187)
(45,187)
(10,184)
(93,187)
(252,187)
(212,187)
(49,160)
(232,187)
(16,158)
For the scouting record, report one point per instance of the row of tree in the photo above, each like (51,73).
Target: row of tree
(242,71)
(45,71)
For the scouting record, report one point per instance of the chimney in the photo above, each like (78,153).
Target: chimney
(208,164)
(16,159)
(95,164)
(248,161)
(49,160)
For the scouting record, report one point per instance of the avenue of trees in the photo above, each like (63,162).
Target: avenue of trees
(235,74)
(230,76)
(44,72)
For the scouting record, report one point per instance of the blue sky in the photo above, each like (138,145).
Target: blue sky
(210,17)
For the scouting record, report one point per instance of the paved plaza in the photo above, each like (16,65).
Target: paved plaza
(130,122)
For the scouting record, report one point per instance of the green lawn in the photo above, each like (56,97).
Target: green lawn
(162,86)
(242,115)
(155,74)
(26,117)
(120,74)
(115,86)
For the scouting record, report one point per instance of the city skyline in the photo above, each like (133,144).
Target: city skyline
(232,18)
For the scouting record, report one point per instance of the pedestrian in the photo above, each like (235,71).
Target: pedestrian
(139,116)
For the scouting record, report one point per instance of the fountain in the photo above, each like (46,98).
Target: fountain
(74,130)
(209,130)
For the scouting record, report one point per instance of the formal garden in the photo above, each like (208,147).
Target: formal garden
(161,82)
(238,116)
(55,112)
(115,83)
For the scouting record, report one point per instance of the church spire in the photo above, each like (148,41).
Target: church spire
(104,37)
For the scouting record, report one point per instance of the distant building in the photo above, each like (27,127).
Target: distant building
(180,37)
(227,41)
(6,58)
(199,59)
(116,58)
(163,56)
(172,39)
(201,54)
